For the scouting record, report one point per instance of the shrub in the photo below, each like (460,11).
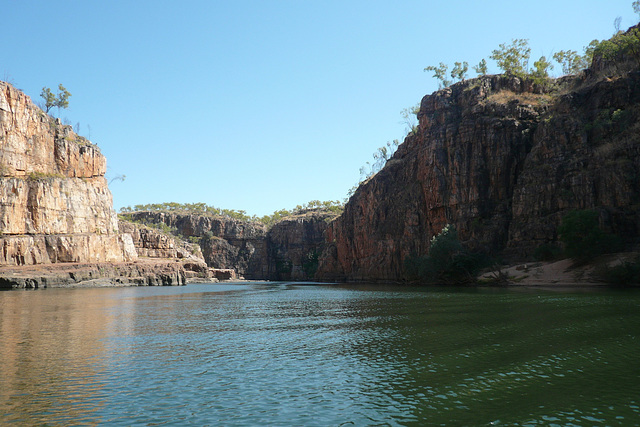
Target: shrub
(547,252)
(310,264)
(448,261)
(582,236)
(623,274)
(619,46)
(481,68)
(440,73)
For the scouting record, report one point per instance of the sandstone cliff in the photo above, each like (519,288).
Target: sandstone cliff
(57,223)
(502,159)
(152,243)
(226,243)
(295,243)
(55,204)
(288,251)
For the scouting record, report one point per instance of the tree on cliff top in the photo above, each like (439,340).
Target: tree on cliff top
(440,73)
(51,100)
(514,58)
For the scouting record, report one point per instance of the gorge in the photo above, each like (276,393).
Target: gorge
(501,157)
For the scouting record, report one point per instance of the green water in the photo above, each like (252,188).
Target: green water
(292,354)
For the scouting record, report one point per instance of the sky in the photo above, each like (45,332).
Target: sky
(262,105)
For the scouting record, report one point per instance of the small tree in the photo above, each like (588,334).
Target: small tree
(481,68)
(51,100)
(448,261)
(619,46)
(513,59)
(636,6)
(582,237)
(459,71)
(440,73)
(589,50)
(570,61)
(541,69)
(409,116)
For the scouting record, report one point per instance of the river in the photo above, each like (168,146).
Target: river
(287,354)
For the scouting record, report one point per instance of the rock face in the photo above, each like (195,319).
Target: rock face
(290,250)
(55,205)
(227,244)
(503,160)
(294,245)
(151,243)
(139,273)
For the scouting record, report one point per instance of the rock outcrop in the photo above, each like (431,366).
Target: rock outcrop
(55,205)
(149,272)
(502,159)
(152,243)
(227,243)
(294,245)
(57,222)
(288,251)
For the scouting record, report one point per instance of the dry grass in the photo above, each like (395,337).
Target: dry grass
(506,96)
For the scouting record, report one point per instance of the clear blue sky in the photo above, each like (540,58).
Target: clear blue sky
(261,105)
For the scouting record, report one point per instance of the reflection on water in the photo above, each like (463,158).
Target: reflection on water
(285,354)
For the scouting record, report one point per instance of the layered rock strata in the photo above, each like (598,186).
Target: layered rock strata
(226,243)
(290,250)
(502,159)
(139,273)
(152,243)
(294,245)
(55,205)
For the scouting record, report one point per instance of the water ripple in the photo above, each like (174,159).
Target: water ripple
(299,355)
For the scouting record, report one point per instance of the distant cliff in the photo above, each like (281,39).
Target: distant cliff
(287,251)
(226,243)
(502,159)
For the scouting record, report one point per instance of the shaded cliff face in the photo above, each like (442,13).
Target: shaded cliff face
(290,250)
(295,245)
(586,156)
(226,243)
(502,160)
(55,202)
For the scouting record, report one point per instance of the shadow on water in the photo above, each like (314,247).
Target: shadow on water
(284,353)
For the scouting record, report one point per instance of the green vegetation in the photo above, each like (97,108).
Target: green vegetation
(514,58)
(621,45)
(481,68)
(458,73)
(161,226)
(583,238)
(310,263)
(409,118)
(334,206)
(51,100)
(381,157)
(440,73)
(572,62)
(540,72)
(547,252)
(448,261)
(40,176)
(623,274)
(383,154)
(608,122)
